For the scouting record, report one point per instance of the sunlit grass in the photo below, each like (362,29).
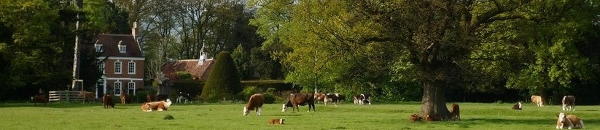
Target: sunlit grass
(229,116)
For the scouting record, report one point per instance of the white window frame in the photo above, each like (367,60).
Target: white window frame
(102,67)
(117,88)
(119,67)
(99,47)
(131,88)
(122,48)
(130,69)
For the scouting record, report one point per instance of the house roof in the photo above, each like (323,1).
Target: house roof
(110,43)
(198,72)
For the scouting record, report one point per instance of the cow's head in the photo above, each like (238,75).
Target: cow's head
(246,112)
(284,107)
(168,103)
(560,123)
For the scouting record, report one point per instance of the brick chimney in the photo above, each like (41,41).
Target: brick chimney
(135,31)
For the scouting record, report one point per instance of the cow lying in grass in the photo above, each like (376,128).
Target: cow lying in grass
(156,106)
(39,98)
(276,121)
(107,100)
(569,122)
(518,106)
(255,102)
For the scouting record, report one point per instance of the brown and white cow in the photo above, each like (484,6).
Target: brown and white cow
(39,98)
(414,117)
(158,105)
(276,121)
(332,97)
(455,112)
(537,100)
(518,106)
(568,103)
(362,98)
(125,98)
(320,97)
(255,102)
(300,99)
(569,122)
(107,100)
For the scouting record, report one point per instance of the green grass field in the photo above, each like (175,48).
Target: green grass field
(479,116)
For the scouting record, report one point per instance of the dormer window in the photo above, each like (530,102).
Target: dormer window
(122,48)
(99,47)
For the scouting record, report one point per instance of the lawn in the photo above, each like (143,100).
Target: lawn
(479,116)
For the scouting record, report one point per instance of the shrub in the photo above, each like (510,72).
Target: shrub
(223,81)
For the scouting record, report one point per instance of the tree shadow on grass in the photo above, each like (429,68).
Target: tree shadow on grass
(521,121)
(60,105)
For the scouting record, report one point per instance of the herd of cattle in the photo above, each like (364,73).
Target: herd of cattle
(256,101)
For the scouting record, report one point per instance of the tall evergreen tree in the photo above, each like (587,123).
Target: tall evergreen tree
(223,81)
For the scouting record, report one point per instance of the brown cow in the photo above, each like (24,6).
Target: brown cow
(537,100)
(255,102)
(276,121)
(455,112)
(568,103)
(518,106)
(432,118)
(107,100)
(125,98)
(569,122)
(159,105)
(300,99)
(39,98)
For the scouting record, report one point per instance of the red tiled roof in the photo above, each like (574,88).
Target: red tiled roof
(198,72)
(110,43)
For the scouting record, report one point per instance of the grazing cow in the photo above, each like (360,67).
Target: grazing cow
(107,100)
(158,105)
(300,99)
(183,97)
(537,100)
(87,96)
(255,102)
(39,98)
(276,121)
(569,122)
(362,98)
(568,103)
(150,97)
(125,98)
(455,112)
(331,97)
(414,117)
(518,106)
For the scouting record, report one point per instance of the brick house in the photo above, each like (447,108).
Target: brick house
(199,68)
(122,66)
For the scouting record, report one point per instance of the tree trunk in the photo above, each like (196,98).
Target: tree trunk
(434,100)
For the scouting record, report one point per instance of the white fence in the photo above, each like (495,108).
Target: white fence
(64,96)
